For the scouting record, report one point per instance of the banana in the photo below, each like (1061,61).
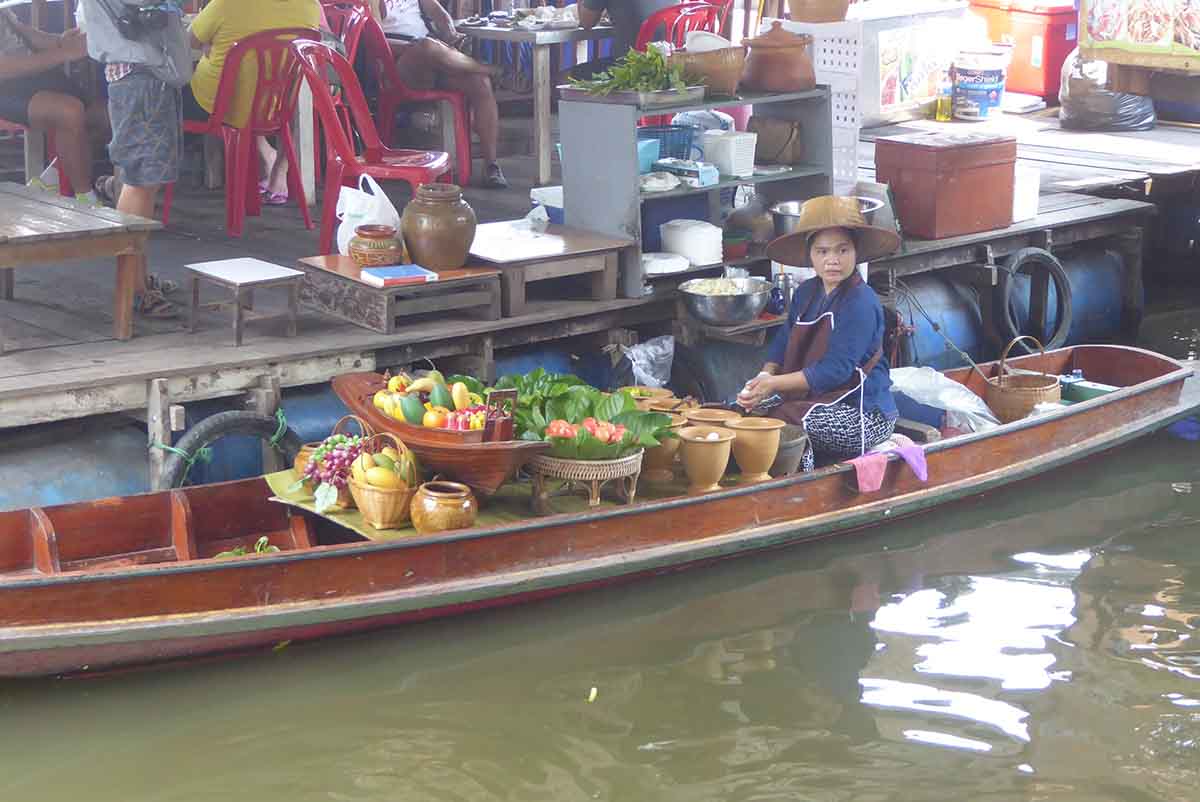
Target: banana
(422,385)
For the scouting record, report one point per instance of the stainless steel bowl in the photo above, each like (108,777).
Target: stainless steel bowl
(727,310)
(787,214)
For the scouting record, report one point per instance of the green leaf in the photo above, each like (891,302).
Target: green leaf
(296,488)
(263,546)
(239,551)
(325,497)
(610,406)
(564,447)
(474,385)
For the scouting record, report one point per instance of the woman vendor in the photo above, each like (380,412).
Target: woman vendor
(827,363)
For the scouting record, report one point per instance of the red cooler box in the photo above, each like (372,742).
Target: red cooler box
(1042,32)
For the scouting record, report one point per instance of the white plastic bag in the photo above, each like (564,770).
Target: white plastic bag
(964,410)
(360,207)
(652,360)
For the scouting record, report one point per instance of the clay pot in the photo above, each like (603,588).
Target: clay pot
(756,445)
(710,417)
(647,395)
(442,506)
(704,459)
(792,442)
(438,227)
(673,405)
(376,246)
(657,461)
(779,62)
(301,462)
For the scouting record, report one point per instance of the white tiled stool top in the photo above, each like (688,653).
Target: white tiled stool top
(243,271)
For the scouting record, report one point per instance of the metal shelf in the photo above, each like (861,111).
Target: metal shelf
(801,171)
(740,100)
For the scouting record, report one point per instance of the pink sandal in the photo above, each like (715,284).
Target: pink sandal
(275,198)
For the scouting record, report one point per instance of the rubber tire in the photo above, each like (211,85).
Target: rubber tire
(1004,287)
(223,424)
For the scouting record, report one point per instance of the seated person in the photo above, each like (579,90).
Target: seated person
(827,363)
(35,92)
(218,28)
(626,16)
(426,48)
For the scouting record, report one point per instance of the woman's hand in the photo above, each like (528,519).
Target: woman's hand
(757,390)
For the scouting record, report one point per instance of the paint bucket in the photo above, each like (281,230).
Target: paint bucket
(979,77)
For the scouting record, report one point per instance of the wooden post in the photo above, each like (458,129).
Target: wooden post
(264,400)
(158,429)
(541,112)
(305,134)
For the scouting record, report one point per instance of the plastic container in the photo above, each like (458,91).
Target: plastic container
(697,240)
(731,151)
(1027,184)
(552,199)
(674,141)
(648,153)
(1042,32)
(656,211)
(978,83)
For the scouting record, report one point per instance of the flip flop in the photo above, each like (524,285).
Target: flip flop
(275,198)
(262,187)
(104,187)
(151,304)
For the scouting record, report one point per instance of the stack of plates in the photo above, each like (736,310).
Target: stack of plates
(662,264)
(696,240)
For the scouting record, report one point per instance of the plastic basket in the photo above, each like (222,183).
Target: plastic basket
(674,141)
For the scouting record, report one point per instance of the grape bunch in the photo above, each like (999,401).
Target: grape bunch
(330,463)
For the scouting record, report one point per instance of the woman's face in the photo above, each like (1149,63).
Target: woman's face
(833,255)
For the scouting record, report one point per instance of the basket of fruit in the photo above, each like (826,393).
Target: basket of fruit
(383,479)
(328,467)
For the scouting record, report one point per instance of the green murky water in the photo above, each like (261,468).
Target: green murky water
(1037,644)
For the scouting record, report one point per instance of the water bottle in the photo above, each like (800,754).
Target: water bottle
(944,111)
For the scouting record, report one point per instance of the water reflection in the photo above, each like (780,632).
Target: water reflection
(1040,645)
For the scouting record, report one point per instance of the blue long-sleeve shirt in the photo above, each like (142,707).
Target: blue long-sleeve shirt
(858,329)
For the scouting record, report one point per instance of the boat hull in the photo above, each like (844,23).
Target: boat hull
(89,621)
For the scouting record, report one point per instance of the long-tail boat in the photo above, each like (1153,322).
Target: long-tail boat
(134,580)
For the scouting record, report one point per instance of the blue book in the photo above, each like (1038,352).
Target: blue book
(396,274)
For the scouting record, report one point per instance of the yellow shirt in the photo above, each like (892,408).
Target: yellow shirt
(222,24)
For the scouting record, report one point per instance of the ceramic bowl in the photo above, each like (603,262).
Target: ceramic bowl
(705,454)
(673,406)
(643,396)
(711,417)
(756,446)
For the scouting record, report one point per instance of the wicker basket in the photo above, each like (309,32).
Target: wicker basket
(590,474)
(1013,396)
(818,10)
(720,70)
(345,499)
(383,507)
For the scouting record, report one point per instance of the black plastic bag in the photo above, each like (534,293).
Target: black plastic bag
(1088,106)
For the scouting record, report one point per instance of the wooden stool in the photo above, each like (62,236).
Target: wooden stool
(243,276)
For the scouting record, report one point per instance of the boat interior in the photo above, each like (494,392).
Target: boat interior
(203,521)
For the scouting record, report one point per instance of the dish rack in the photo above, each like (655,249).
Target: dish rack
(732,152)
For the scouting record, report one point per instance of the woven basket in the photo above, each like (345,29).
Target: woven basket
(818,10)
(591,474)
(382,507)
(1011,397)
(720,70)
(345,499)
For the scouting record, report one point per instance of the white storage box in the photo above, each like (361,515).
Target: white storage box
(731,151)
(1027,187)
(697,241)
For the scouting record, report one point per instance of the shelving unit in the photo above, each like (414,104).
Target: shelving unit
(600,170)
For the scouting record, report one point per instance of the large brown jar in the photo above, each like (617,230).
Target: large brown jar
(438,227)
(442,506)
(779,61)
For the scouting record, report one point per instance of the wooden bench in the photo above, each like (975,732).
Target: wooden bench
(244,276)
(525,257)
(38,228)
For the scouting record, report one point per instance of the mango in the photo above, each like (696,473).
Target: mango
(461,395)
(413,409)
(397,384)
(389,451)
(437,376)
(359,469)
(383,477)
(439,396)
(384,461)
(381,399)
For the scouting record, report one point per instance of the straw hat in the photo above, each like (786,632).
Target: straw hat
(831,211)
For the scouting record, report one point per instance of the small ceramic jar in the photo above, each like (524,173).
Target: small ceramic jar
(443,506)
(376,246)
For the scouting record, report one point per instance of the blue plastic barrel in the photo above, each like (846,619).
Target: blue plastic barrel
(1097,308)
(954,307)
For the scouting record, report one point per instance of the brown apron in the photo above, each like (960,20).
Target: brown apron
(806,346)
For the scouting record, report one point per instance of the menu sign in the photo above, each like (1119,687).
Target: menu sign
(1142,26)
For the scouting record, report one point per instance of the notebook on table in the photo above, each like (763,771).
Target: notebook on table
(395,275)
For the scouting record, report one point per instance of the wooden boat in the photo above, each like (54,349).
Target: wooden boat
(125,581)
(483,465)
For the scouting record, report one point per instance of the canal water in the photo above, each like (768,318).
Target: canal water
(1032,644)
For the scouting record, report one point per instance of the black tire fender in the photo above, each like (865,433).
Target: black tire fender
(223,424)
(1017,263)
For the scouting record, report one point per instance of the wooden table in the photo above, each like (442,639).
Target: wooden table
(526,256)
(541,40)
(38,228)
(333,284)
(243,276)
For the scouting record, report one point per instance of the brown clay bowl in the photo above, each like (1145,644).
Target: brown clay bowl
(657,461)
(643,396)
(704,459)
(756,445)
(711,417)
(673,405)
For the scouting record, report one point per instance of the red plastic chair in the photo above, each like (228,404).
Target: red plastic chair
(64,183)
(363,31)
(677,21)
(276,85)
(346,166)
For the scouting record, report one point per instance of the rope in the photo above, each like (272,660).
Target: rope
(912,299)
(202,455)
(281,430)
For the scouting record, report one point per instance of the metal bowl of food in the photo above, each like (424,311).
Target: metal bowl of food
(787,214)
(725,301)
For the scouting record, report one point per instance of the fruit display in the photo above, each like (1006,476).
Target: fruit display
(382,481)
(329,468)
(390,468)
(434,402)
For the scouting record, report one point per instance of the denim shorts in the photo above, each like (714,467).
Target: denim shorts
(147,129)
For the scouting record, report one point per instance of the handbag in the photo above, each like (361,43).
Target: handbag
(779,141)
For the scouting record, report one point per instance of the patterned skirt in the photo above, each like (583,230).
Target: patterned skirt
(836,432)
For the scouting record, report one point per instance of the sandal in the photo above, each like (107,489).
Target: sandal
(275,198)
(152,304)
(163,286)
(105,187)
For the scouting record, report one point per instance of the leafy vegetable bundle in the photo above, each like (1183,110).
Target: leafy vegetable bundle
(637,72)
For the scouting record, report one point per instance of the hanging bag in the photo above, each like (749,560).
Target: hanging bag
(365,206)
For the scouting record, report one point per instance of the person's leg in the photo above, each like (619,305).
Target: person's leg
(274,171)
(484,111)
(64,116)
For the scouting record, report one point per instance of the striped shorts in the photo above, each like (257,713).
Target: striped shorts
(835,433)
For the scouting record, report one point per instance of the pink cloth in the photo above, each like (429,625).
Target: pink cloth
(869,470)
(909,451)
